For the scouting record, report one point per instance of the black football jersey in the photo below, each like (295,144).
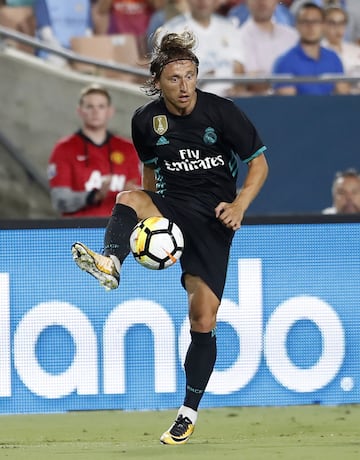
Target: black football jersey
(195,156)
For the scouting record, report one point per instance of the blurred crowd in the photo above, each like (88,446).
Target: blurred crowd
(254,38)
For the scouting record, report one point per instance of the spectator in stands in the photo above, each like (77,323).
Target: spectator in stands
(218,48)
(336,20)
(309,58)
(130,17)
(171,9)
(263,41)
(345,193)
(241,12)
(89,168)
(57,22)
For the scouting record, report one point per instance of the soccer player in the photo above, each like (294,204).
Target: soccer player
(188,141)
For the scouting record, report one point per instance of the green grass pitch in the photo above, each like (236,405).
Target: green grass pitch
(251,433)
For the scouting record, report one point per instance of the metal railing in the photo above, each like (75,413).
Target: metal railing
(24,39)
(19,37)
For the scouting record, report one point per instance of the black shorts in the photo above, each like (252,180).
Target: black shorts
(207,242)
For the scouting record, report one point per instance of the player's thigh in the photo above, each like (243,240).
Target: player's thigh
(203,304)
(140,202)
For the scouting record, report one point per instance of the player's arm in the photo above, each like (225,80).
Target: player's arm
(148,178)
(231,214)
(254,180)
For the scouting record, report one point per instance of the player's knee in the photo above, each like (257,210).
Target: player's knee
(130,198)
(139,201)
(123,197)
(203,323)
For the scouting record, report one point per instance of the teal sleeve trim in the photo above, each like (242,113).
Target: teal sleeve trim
(256,154)
(149,162)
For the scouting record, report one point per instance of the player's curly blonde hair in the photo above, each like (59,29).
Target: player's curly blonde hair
(172,47)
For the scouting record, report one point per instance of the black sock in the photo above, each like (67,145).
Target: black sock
(199,364)
(118,231)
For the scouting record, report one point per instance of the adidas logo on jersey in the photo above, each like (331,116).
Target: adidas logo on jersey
(162,141)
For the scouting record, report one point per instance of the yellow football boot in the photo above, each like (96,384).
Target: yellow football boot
(100,267)
(179,432)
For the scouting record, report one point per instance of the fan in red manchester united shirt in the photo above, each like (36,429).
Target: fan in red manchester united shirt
(90,167)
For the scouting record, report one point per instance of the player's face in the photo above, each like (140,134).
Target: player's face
(347,195)
(95,111)
(178,86)
(310,26)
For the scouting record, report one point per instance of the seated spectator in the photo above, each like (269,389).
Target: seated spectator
(309,58)
(218,48)
(336,20)
(57,22)
(129,17)
(90,167)
(263,41)
(171,9)
(345,193)
(240,13)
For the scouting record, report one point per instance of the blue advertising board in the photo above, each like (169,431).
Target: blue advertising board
(288,325)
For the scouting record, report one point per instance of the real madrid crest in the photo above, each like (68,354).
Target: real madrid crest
(210,136)
(160,124)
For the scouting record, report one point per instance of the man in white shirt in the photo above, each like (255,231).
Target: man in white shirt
(263,40)
(218,45)
(336,20)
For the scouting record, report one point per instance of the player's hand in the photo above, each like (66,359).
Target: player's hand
(230,214)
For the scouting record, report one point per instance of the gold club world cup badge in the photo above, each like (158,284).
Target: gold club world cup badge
(160,124)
